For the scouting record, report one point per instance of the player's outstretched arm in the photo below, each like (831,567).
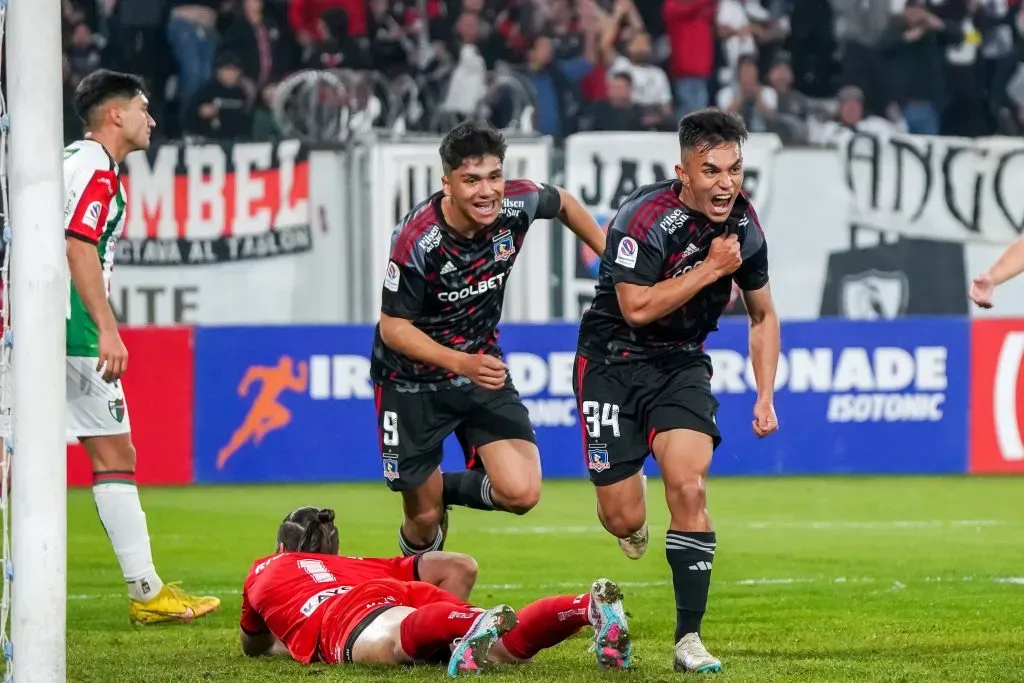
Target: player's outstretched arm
(1009,265)
(453,572)
(579,220)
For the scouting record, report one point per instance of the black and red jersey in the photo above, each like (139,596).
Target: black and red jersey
(450,286)
(655,237)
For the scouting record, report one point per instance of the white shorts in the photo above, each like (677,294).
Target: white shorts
(94,407)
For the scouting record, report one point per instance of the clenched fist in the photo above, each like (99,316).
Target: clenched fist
(724,257)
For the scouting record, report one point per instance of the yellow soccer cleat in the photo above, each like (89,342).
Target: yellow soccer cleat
(172,604)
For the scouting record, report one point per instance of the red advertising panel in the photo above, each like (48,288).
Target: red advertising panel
(997,396)
(158,388)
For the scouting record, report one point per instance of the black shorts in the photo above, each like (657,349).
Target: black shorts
(623,406)
(412,427)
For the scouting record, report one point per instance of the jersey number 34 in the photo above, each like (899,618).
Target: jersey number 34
(598,415)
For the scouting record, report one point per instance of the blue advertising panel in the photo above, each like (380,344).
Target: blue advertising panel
(296,403)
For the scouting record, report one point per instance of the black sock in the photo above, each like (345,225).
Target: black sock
(409,548)
(471,489)
(689,555)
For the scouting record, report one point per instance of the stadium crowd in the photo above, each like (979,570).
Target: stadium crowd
(919,66)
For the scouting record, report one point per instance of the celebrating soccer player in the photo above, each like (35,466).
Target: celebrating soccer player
(309,602)
(642,379)
(114,109)
(436,362)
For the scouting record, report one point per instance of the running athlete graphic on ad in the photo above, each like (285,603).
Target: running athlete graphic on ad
(436,362)
(317,606)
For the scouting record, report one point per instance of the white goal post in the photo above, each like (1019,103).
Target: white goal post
(38,295)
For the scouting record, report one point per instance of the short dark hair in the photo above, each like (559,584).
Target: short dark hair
(309,530)
(469,140)
(102,85)
(708,128)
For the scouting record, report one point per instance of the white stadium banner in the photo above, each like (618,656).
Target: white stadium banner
(271,233)
(221,235)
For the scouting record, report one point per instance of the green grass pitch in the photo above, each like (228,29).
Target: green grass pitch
(831,579)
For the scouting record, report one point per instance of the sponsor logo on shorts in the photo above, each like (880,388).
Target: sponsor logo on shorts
(597,457)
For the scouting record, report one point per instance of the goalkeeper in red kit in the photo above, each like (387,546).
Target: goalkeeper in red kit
(308,601)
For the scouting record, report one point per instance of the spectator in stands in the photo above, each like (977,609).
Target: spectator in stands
(304,17)
(83,53)
(862,24)
(391,47)
(913,49)
(964,114)
(192,35)
(736,33)
(651,90)
(850,116)
(793,109)
(756,103)
(263,46)
(222,108)
(618,112)
(337,48)
(142,41)
(690,25)
(468,83)
(555,84)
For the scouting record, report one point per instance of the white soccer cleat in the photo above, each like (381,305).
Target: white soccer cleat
(635,545)
(692,656)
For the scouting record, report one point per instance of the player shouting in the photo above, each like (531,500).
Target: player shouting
(315,605)
(114,109)
(436,362)
(642,379)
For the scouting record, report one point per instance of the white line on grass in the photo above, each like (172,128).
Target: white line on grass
(813,526)
(640,585)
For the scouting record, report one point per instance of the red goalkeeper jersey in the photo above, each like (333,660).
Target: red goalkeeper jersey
(283,592)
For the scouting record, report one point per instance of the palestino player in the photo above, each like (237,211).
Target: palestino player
(315,605)
(436,365)
(114,109)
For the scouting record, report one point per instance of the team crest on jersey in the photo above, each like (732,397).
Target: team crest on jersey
(116,408)
(391,277)
(597,457)
(504,247)
(390,468)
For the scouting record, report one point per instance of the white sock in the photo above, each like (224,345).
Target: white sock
(117,502)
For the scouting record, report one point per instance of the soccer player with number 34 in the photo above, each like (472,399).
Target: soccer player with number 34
(642,379)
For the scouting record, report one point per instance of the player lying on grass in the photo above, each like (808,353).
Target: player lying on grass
(311,603)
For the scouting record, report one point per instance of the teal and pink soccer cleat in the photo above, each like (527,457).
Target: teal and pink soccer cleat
(611,633)
(470,654)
